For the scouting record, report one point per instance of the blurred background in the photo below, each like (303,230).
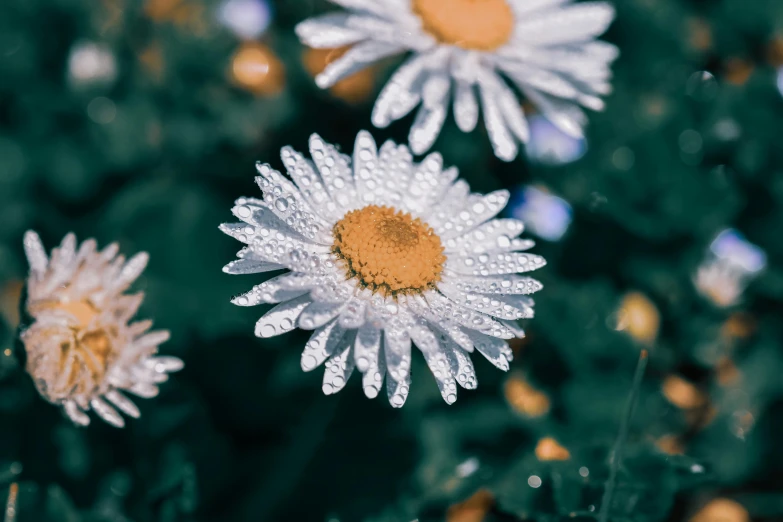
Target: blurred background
(140,121)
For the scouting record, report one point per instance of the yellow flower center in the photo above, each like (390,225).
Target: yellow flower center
(93,348)
(388,251)
(482,25)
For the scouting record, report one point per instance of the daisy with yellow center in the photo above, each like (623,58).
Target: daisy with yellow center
(378,254)
(82,351)
(465,50)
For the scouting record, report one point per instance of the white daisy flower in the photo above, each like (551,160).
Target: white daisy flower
(82,352)
(381,253)
(546,48)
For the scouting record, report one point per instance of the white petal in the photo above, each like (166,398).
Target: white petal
(495,264)
(75,413)
(461,365)
(152,339)
(513,113)
(478,209)
(466,110)
(380,8)
(286,202)
(497,285)
(490,305)
(397,391)
(131,271)
(494,235)
(503,143)
(450,310)
(271,291)
(372,380)
(123,403)
(353,315)
(107,413)
(339,368)
(400,94)
(36,255)
(572,23)
(355,59)
(328,31)
(542,80)
(321,345)
(282,318)
(453,201)
(145,390)
(317,314)
(309,182)
(366,347)
(250,266)
(495,350)
(531,6)
(426,127)
(164,364)
(335,170)
(564,114)
(437,361)
(397,347)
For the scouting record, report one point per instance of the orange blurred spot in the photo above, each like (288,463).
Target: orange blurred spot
(524,398)
(354,88)
(474,509)
(682,394)
(722,510)
(549,449)
(255,68)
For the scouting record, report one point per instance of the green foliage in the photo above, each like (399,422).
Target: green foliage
(243,435)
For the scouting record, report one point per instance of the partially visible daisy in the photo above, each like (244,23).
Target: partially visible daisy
(467,49)
(379,254)
(82,351)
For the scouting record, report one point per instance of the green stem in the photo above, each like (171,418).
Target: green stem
(616,455)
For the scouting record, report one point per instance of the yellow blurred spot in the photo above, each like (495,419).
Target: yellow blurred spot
(354,88)
(524,398)
(152,60)
(699,34)
(255,68)
(670,444)
(474,509)
(639,317)
(722,510)
(775,52)
(727,372)
(549,449)
(739,325)
(683,394)
(10,295)
(738,71)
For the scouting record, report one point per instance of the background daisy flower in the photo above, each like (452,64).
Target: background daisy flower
(82,350)
(381,254)
(467,50)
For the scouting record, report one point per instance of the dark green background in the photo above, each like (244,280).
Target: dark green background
(243,435)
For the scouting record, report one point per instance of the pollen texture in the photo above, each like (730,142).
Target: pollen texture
(482,25)
(87,345)
(388,250)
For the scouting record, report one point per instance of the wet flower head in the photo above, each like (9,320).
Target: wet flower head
(81,348)
(379,254)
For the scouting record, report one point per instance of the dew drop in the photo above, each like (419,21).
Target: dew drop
(268,330)
(281,205)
